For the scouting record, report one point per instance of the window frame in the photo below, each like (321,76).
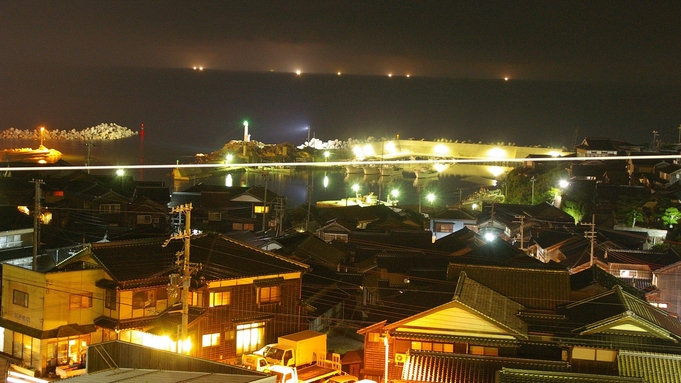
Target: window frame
(219,297)
(80,301)
(269,299)
(20,298)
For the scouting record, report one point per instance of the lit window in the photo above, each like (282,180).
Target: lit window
(209,340)
(221,298)
(249,337)
(109,208)
(20,298)
(80,301)
(259,209)
(270,294)
(214,216)
(444,227)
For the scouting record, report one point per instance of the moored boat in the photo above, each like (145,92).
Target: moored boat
(371,170)
(425,173)
(353,169)
(391,171)
(42,155)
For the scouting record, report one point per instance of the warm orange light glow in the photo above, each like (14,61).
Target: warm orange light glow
(298,72)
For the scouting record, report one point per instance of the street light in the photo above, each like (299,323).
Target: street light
(42,129)
(431,197)
(355,188)
(326,155)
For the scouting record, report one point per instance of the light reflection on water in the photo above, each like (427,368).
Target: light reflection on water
(455,182)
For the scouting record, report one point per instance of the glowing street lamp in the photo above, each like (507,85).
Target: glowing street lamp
(563,184)
(326,155)
(430,197)
(355,188)
(228,158)
(120,172)
(42,129)
(326,180)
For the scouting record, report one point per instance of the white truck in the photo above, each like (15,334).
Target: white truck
(320,370)
(297,349)
(296,358)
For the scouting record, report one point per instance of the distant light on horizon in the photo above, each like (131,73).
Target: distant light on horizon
(390,74)
(339,73)
(298,72)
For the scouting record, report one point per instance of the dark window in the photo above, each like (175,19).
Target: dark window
(20,298)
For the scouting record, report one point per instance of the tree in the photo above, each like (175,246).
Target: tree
(671,216)
(629,209)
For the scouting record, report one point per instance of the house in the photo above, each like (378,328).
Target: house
(667,281)
(480,333)
(512,222)
(335,230)
(240,298)
(596,147)
(48,317)
(448,221)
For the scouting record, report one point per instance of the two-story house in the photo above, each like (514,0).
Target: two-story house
(240,297)
(48,317)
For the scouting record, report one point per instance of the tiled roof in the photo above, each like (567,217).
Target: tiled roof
(220,257)
(654,259)
(319,251)
(539,289)
(455,368)
(404,262)
(597,143)
(596,313)
(481,301)
(512,375)
(489,303)
(596,275)
(655,368)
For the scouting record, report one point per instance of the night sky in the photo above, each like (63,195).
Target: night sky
(598,68)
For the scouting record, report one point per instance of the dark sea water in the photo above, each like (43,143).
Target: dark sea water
(185,112)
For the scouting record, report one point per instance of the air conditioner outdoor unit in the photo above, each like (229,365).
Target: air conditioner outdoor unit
(400,358)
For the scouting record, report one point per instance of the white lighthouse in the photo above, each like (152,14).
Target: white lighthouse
(247,137)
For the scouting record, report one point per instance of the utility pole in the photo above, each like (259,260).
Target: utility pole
(36,222)
(309,200)
(87,159)
(591,235)
(532,180)
(185,235)
(280,208)
(264,202)
(522,234)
